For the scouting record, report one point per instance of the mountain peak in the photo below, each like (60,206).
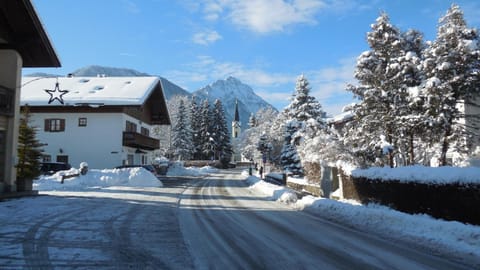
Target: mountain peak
(229,91)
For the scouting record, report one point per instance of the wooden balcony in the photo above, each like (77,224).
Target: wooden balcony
(137,140)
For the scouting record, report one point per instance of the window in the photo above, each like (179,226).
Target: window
(62,158)
(82,122)
(131,127)
(54,125)
(130,159)
(145,131)
(47,158)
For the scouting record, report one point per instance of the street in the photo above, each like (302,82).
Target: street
(215,222)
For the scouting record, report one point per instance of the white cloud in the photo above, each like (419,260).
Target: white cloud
(266,16)
(212,10)
(206,37)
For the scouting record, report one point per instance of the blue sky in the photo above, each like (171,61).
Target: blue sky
(264,43)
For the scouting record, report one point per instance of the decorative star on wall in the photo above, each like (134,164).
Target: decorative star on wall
(56,94)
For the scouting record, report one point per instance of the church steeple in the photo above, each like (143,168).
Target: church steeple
(236,126)
(237,116)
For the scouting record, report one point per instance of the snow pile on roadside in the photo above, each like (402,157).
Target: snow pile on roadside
(444,236)
(277,193)
(177,169)
(441,235)
(422,174)
(133,177)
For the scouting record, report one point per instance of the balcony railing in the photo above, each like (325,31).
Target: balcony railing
(137,140)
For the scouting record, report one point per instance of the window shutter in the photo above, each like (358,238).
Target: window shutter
(62,124)
(47,125)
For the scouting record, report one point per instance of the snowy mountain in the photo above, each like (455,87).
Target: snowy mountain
(92,71)
(228,91)
(170,89)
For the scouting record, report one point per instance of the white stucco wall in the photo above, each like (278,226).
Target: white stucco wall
(95,144)
(99,143)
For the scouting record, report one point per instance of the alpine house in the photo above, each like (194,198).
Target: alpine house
(104,121)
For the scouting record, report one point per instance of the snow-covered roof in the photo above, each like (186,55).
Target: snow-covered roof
(44,91)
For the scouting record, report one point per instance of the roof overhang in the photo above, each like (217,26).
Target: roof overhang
(22,31)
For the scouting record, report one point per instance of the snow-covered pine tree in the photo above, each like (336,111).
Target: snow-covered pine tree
(451,64)
(29,149)
(196,130)
(182,134)
(207,142)
(264,147)
(261,124)
(289,158)
(378,75)
(303,106)
(220,134)
(252,121)
(407,104)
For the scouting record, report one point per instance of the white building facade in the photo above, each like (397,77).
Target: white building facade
(105,122)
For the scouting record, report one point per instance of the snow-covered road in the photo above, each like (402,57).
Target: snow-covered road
(109,228)
(215,222)
(227,226)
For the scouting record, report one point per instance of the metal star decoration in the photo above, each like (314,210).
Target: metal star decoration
(56,94)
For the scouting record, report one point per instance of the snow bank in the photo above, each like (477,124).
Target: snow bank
(452,237)
(177,169)
(277,193)
(444,236)
(422,174)
(134,177)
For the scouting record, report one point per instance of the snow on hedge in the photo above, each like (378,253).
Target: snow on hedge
(133,177)
(421,174)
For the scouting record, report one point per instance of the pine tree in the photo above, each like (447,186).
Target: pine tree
(407,107)
(303,106)
(451,65)
(252,121)
(207,143)
(181,134)
(29,149)
(379,89)
(264,147)
(196,128)
(289,158)
(220,134)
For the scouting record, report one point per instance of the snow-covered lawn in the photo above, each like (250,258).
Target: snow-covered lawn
(451,237)
(129,177)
